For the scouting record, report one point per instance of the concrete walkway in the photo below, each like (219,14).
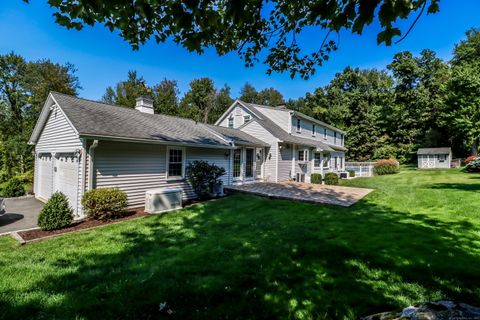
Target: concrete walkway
(22,213)
(314,193)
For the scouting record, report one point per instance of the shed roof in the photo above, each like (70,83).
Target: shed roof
(443,150)
(97,119)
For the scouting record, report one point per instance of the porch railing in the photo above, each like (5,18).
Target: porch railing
(362,169)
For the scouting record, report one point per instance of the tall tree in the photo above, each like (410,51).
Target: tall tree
(24,86)
(199,101)
(223,101)
(248,93)
(126,92)
(253,29)
(270,97)
(420,84)
(463,101)
(165,96)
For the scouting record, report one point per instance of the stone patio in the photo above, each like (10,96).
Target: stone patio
(313,193)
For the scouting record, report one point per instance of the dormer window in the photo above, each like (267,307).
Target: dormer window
(299,125)
(230,121)
(314,130)
(246,118)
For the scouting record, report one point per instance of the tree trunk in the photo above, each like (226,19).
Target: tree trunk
(475,147)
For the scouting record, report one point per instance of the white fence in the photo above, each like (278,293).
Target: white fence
(362,169)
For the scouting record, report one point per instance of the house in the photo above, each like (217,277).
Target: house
(298,145)
(82,144)
(434,158)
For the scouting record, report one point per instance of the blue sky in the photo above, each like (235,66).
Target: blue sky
(103,58)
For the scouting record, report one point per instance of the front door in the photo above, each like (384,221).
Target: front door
(249,163)
(259,163)
(237,164)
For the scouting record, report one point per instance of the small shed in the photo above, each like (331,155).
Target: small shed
(434,158)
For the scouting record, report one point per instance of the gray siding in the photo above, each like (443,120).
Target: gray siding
(136,168)
(285,162)
(306,132)
(58,134)
(238,112)
(279,116)
(270,166)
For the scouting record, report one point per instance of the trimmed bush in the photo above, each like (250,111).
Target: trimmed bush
(203,176)
(316,178)
(13,188)
(389,166)
(331,178)
(351,173)
(104,204)
(473,165)
(56,213)
(471,158)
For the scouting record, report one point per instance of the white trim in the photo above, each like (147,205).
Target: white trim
(167,162)
(294,157)
(249,116)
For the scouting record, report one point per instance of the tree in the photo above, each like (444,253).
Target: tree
(24,87)
(165,96)
(126,92)
(462,108)
(223,101)
(248,93)
(270,97)
(199,101)
(413,118)
(247,27)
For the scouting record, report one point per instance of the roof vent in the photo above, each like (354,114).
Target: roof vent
(144,104)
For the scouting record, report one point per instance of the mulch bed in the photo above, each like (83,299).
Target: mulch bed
(79,225)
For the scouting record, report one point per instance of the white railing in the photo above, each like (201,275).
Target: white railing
(362,169)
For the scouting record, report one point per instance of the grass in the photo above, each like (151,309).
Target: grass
(415,238)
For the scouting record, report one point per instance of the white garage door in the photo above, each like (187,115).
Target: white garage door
(45,175)
(66,176)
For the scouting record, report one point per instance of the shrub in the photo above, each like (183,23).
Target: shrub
(316,178)
(203,176)
(56,213)
(26,177)
(331,178)
(473,165)
(351,173)
(471,158)
(389,166)
(13,188)
(104,204)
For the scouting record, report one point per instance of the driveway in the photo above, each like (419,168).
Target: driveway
(314,193)
(22,213)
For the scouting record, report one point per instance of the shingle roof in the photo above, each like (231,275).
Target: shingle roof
(91,118)
(239,137)
(283,135)
(443,150)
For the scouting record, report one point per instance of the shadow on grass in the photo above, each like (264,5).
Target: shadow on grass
(249,257)
(456,186)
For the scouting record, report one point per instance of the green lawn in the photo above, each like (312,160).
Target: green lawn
(415,238)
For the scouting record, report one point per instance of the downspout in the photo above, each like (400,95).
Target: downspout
(84,173)
(90,163)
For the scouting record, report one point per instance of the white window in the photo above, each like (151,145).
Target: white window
(335,138)
(325,134)
(230,122)
(299,125)
(303,155)
(175,163)
(442,157)
(246,118)
(316,159)
(314,130)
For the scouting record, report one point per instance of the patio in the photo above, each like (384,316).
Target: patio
(313,193)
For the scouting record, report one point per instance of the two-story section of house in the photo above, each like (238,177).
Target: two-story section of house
(299,145)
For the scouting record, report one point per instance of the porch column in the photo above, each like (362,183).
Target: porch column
(321,163)
(292,173)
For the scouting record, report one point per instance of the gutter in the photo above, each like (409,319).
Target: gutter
(90,163)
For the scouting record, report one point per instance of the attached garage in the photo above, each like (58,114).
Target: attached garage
(45,175)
